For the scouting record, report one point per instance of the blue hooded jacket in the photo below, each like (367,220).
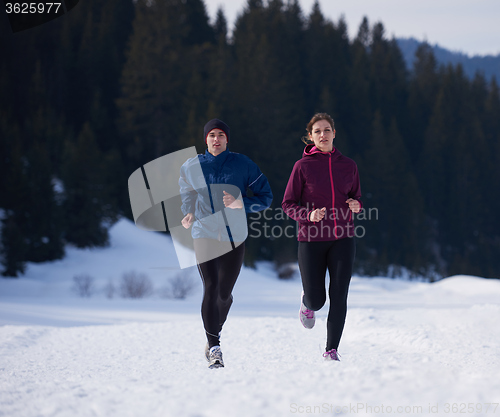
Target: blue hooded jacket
(202,193)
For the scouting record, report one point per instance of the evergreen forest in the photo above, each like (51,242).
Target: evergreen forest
(87,99)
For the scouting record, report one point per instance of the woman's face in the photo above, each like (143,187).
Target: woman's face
(216,141)
(322,135)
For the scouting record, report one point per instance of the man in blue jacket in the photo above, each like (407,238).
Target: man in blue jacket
(214,203)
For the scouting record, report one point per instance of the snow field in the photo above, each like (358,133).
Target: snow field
(409,348)
(273,367)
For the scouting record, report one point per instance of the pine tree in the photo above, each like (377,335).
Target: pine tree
(268,79)
(391,187)
(433,171)
(93,43)
(13,247)
(220,27)
(221,77)
(33,212)
(161,61)
(43,226)
(359,114)
(388,87)
(472,165)
(423,88)
(489,231)
(13,207)
(364,36)
(85,208)
(323,62)
(269,110)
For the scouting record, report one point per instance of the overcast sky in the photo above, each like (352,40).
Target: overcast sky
(469,26)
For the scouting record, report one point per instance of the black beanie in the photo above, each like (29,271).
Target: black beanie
(216,124)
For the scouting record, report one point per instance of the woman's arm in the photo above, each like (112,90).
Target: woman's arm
(354,201)
(293,194)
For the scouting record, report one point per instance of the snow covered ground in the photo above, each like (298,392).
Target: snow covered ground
(409,349)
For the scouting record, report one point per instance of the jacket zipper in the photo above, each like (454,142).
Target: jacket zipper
(333,196)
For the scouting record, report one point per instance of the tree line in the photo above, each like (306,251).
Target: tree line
(89,98)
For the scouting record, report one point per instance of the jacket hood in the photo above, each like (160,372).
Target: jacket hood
(311,150)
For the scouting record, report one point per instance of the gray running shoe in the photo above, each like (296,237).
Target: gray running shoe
(215,358)
(306,316)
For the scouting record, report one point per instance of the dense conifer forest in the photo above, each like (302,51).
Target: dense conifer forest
(87,99)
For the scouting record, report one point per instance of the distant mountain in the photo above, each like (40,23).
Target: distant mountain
(489,65)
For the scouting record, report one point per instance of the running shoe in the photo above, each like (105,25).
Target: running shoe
(306,316)
(332,355)
(215,358)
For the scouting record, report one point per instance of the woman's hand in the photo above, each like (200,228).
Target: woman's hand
(188,220)
(231,202)
(317,215)
(354,205)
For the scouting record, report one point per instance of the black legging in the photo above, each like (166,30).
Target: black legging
(314,259)
(219,276)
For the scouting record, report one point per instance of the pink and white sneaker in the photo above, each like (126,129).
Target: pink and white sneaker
(332,355)
(306,316)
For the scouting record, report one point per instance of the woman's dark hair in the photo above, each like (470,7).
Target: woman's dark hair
(316,118)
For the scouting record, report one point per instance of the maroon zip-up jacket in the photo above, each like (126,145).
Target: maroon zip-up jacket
(322,179)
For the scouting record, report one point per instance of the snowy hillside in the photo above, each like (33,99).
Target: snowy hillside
(408,349)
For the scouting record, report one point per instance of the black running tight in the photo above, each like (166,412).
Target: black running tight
(219,276)
(314,259)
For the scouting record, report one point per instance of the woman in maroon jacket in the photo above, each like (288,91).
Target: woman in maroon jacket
(322,193)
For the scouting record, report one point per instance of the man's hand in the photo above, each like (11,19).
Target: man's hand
(231,202)
(188,220)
